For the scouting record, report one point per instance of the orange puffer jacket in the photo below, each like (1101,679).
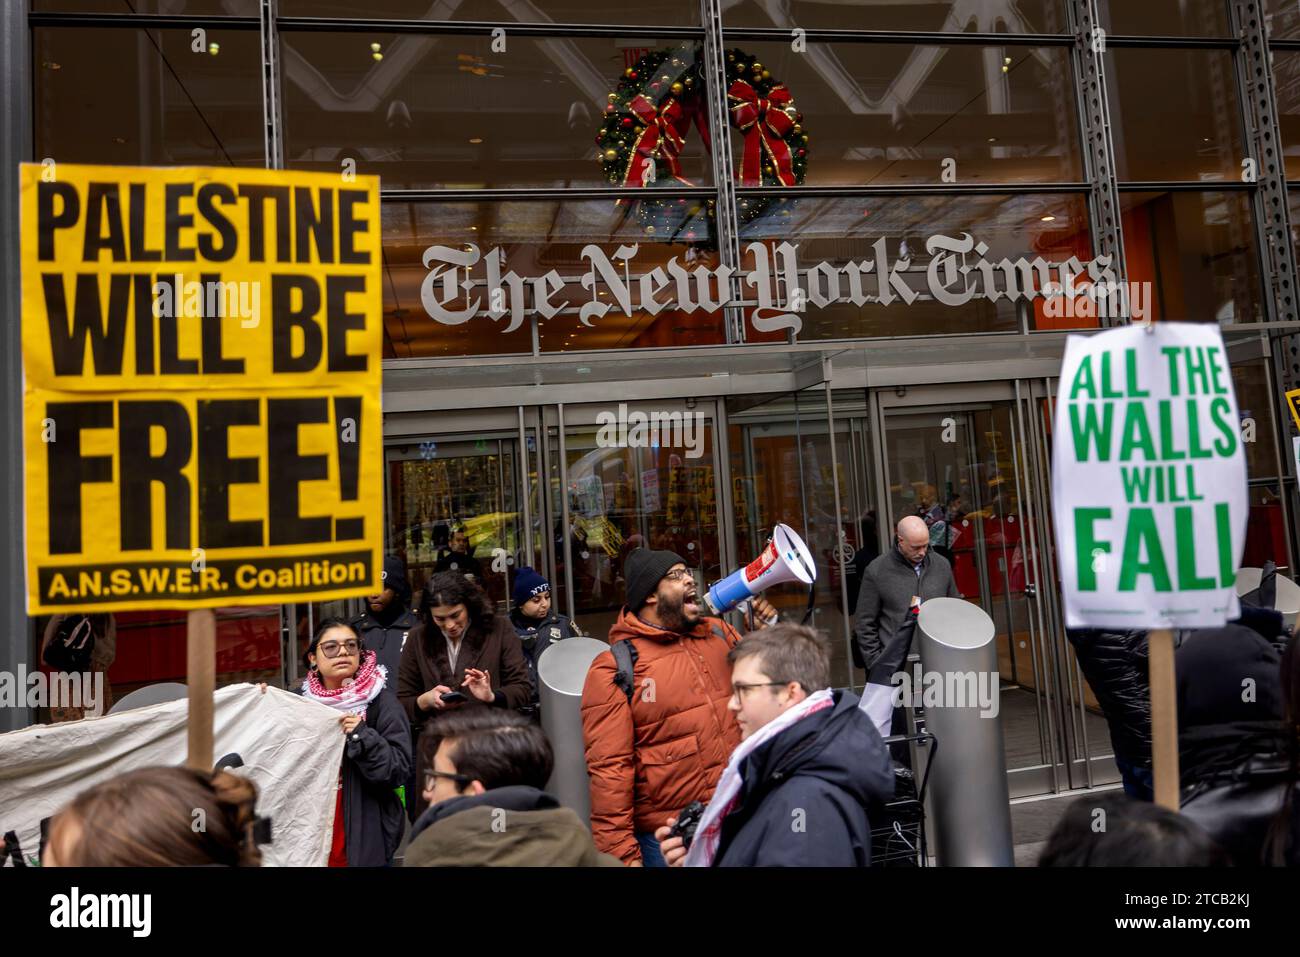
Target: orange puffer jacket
(668,747)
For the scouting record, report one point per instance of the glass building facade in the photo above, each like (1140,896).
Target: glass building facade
(686,147)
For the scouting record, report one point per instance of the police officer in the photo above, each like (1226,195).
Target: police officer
(388,620)
(535,623)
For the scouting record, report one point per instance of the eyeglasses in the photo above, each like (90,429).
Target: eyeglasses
(331,649)
(461,780)
(681,574)
(738,689)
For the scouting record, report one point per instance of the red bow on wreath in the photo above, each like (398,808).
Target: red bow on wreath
(665,133)
(765,127)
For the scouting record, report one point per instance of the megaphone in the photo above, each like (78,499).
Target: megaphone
(785,558)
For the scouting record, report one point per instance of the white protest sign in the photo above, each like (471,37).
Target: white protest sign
(291,748)
(1149,479)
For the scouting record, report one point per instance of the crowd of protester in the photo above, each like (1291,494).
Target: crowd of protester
(703,747)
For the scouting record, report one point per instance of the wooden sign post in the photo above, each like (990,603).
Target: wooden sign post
(1164,716)
(201,669)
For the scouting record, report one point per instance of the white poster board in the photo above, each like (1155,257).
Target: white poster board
(292,749)
(1149,479)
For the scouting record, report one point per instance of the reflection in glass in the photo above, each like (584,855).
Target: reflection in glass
(439,487)
(1197,251)
(1286,77)
(841,231)
(446,111)
(1175,114)
(658,12)
(948,16)
(537,238)
(1197,18)
(893,113)
(144,97)
(658,495)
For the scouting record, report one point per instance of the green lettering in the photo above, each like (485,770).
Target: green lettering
(1194,448)
(1086,544)
(1137,481)
(1083,382)
(1223,526)
(1137,434)
(1107,389)
(1142,531)
(1167,451)
(1087,431)
(1130,363)
(1171,354)
(1218,412)
(1185,542)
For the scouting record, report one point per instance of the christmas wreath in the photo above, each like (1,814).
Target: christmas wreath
(650,114)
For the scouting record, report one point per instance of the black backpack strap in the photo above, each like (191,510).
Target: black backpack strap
(625,655)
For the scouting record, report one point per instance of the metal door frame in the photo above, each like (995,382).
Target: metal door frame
(1046,637)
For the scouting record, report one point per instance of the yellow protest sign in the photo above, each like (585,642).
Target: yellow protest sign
(201,349)
(1293,403)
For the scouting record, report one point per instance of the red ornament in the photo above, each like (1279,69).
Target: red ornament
(803,152)
(633,75)
(655,86)
(609,108)
(627,122)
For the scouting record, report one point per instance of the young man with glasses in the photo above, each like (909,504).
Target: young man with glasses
(656,727)
(795,792)
(484,774)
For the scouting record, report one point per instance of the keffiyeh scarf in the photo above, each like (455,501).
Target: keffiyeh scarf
(356,693)
(730,787)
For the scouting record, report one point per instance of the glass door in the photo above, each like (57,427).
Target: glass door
(958,458)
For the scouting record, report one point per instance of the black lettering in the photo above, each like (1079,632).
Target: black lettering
(136,421)
(143,327)
(257,196)
(68,345)
(290,468)
(176,221)
(349,226)
(339,322)
(47,221)
(218,296)
(103,202)
(209,193)
(169,359)
(218,471)
(320,227)
(68,470)
(285,319)
(139,220)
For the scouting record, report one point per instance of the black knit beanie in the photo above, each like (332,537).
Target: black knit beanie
(643,570)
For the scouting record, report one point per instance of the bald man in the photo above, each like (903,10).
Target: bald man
(893,584)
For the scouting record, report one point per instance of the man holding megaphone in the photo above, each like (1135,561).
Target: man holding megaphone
(655,720)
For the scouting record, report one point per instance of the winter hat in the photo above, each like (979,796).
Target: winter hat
(528,584)
(643,571)
(395,578)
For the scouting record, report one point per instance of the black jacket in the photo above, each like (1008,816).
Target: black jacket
(376,760)
(1115,664)
(885,598)
(536,636)
(804,800)
(386,640)
(1236,761)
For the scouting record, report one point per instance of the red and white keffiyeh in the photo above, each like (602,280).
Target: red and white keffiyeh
(725,798)
(356,692)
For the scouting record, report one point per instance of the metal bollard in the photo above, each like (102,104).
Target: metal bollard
(968,784)
(561,672)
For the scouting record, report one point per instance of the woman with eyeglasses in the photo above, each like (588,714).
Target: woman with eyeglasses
(368,813)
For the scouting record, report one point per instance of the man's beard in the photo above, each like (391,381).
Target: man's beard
(672,614)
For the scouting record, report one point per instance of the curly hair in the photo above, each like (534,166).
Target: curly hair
(147,818)
(453,588)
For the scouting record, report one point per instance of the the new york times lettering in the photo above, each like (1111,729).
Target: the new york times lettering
(200,432)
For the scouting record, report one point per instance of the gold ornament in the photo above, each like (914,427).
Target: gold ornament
(690,82)
(611,154)
(628,72)
(650,230)
(766,75)
(757,67)
(677,89)
(798,128)
(804,137)
(613,98)
(731,58)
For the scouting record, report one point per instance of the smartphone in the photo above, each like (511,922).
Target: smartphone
(454,697)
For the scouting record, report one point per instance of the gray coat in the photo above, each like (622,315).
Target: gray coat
(886,595)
